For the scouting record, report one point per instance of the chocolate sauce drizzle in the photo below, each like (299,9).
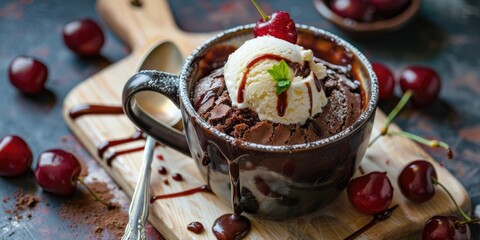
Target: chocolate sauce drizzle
(95,109)
(282,102)
(203,188)
(114,155)
(102,147)
(310,98)
(376,219)
(84,109)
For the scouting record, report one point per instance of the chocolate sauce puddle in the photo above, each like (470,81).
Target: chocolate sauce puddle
(376,219)
(195,227)
(231,227)
(92,109)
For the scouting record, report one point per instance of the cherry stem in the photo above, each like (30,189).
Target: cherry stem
(424,141)
(265,17)
(97,198)
(403,101)
(470,221)
(376,219)
(464,215)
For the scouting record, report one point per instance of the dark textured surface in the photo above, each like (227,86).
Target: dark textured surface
(445,36)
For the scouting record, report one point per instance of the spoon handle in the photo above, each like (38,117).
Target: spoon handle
(138,211)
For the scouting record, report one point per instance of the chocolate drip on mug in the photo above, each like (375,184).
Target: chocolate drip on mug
(234,172)
(232,226)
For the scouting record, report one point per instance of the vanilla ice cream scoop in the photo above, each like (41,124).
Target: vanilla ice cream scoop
(250,85)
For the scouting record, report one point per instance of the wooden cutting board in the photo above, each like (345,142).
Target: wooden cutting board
(143,26)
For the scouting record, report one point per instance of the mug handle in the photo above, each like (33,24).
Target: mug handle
(163,83)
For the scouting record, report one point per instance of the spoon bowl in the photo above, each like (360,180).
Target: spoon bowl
(162,56)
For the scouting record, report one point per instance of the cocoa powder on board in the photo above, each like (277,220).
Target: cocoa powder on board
(88,211)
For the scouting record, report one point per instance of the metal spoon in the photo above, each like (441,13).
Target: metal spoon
(163,56)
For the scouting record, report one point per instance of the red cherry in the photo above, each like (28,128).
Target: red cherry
(278,25)
(358,10)
(84,37)
(415,181)
(371,193)
(445,228)
(27,74)
(389,7)
(15,156)
(386,81)
(423,81)
(57,172)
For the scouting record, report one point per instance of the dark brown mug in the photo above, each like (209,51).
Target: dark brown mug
(276,182)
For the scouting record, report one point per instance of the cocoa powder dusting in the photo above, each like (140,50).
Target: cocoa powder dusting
(88,211)
(23,202)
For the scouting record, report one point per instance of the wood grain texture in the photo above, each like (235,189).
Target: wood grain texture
(142,27)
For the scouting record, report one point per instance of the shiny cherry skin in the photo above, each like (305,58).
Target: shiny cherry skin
(389,7)
(15,156)
(415,181)
(57,172)
(358,10)
(386,81)
(84,37)
(279,25)
(445,228)
(371,193)
(423,81)
(27,74)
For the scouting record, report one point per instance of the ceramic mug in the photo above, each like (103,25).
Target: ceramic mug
(275,182)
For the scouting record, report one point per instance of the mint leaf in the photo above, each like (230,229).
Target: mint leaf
(280,73)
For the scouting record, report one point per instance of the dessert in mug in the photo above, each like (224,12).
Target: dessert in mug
(277,120)
(273,92)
